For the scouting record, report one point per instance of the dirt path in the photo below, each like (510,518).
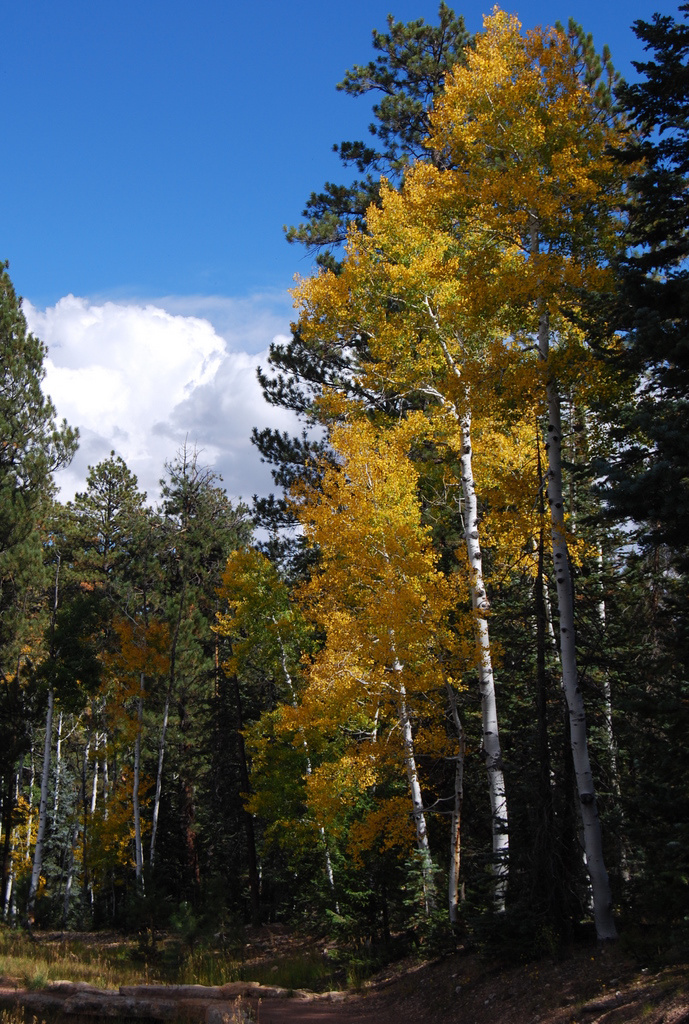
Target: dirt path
(589,986)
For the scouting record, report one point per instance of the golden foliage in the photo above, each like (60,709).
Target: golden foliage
(444,292)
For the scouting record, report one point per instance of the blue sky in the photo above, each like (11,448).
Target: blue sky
(153,151)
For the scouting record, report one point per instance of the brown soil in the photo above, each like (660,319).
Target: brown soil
(588,986)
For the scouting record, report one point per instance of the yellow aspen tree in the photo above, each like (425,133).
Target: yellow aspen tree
(432,341)
(462,267)
(389,653)
(527,140)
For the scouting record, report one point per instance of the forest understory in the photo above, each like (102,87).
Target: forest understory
(631,981)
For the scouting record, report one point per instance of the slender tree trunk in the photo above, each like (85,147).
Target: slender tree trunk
(481,606)
(106,779)
(32,782)
(71,858)
(70,871)
(58,766)
(456,825)
(43,808)
(593,843)
(163,730)
(612,744)
(417,804)
(7,815)
(418,813)
(546,885)
(544,765)
(45,776)
(85,836)
(489,714)
(8,905)
(138,851)
(94,785)
(159,777)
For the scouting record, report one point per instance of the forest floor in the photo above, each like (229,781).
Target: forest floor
(587,985)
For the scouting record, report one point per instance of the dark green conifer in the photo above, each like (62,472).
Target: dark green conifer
(408,73)
(32,446)
(651,478)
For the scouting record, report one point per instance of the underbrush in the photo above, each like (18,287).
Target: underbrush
(110,962)
(34,963)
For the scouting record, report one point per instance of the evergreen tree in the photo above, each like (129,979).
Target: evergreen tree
(199,528)
(408,73)
(651,477)
(32,447)
(647,483)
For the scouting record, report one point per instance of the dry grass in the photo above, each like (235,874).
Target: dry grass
(110,960)
(34,963)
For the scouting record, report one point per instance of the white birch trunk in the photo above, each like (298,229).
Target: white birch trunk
(163,730)
(607,696)
(489,714)
(456,826)
(9,890)
(612,744)
(92,802)
(45,776)
(29,823)
(159,777)
(106,779)
(138,852)
(43,807)
(94,785)
(70,871)
(416,800)
(593,843)
(58,767)
(9,909)
(479,600)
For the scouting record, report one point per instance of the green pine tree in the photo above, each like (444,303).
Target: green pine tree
(32,447)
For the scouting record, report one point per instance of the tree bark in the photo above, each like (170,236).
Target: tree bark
(545,842)
(45,776)
(8,805)
(70,872)
(417,804)
(489,714)
(8,901)
(43,808)
(612,744)
(593,843)
(456,825)
(32,780)
(159,776)
(163,729)
(58,767)
(94,785)
(138,851)
(480,604)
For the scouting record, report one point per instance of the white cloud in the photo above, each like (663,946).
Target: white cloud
(144,378)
